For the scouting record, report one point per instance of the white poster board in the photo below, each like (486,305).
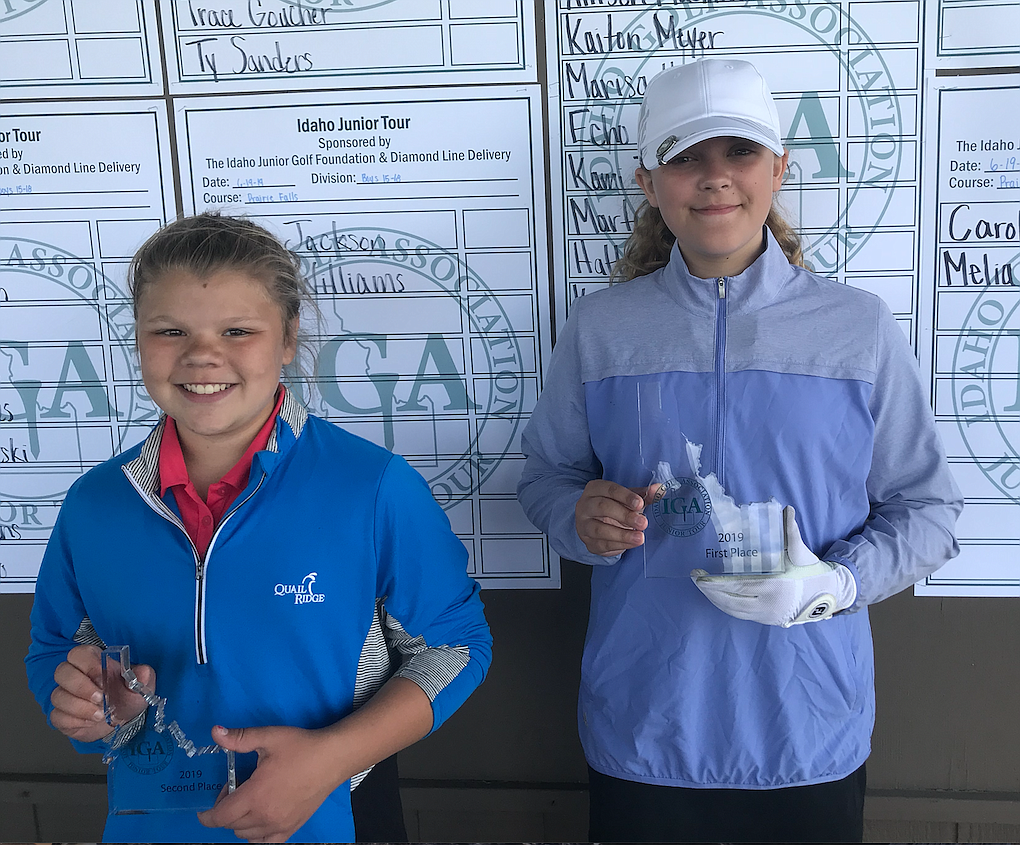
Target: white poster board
(81,187)
(396,145)
(971,320)
(117,116)
(872,157)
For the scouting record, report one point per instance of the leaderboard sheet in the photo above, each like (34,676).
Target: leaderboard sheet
(972,252)
(246,45)
(416,218)
(855,83)
(847,89)
(396,145)
(80,187)
(78,48)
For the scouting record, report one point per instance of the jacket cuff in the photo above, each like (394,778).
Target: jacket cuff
(859,602)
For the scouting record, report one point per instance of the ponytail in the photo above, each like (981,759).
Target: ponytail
(786,236)
(647,248)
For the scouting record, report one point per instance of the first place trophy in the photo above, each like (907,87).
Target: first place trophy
(693,523)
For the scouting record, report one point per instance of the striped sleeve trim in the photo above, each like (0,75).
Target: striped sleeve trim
(435,668)
(374,665)
(432,668)
(374,669)
(86,634)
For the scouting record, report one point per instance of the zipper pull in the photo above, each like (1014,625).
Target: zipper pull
(722,286)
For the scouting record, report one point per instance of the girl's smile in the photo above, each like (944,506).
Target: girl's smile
(211,349)
(716,209)
(206,389)
(714,197)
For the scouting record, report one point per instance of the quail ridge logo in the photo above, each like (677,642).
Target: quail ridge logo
(303,592)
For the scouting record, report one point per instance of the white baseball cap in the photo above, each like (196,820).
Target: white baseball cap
(710,98)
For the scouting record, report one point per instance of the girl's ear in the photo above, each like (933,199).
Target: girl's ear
(644,180)
(290,339)
(779,170)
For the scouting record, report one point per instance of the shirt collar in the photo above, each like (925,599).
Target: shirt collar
(752,289)
(173,471)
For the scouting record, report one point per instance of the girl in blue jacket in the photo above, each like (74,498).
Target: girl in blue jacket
(744,453)
(270,572)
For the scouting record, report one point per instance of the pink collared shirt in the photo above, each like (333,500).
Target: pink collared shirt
(200,517)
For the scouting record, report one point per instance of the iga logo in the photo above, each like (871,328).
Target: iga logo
(303,592)
(986,391)
(48,389)
(149,753)
(682,507)
(416,380)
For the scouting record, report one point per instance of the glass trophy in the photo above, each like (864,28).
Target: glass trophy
(693,523)
(153,766)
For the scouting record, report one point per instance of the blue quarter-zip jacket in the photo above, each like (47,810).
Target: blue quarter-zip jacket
(797,388)
(230,639)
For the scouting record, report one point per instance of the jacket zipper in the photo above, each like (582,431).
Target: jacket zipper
(201,652)
(162,510)
(200,565)
(720,377)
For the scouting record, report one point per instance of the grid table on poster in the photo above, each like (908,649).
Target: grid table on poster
(68,48)
(484,339)
(282,45)
(92,186)
(972,251)
(976,33)
(846,77)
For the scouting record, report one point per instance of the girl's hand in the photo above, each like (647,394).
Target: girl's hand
(807,590)
(78,698)
(608,516)
(298,768)
(287,787)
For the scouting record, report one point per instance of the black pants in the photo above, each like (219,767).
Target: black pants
(625,811)
(378,813)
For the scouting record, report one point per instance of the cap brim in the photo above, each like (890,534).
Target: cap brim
(733,127)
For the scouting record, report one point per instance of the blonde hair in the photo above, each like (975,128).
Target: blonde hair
(205,243)
(648,247)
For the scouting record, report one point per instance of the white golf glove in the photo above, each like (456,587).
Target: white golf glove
(808,589)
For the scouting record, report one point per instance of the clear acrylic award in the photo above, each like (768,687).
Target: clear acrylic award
(153,766)
(692,522)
